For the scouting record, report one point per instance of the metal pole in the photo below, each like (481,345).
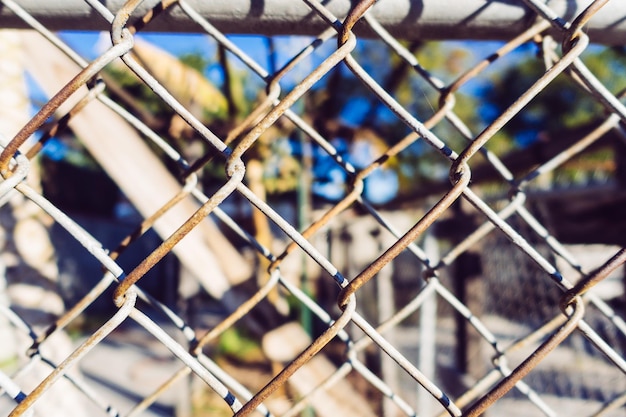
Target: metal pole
(386,309)
(304,219)
(427,329)
(407,19)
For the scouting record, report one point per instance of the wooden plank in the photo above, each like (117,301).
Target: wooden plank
(283,344)
(143,178)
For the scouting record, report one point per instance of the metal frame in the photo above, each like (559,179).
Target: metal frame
(410,20)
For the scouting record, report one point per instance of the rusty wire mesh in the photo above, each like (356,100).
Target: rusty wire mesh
(509,359)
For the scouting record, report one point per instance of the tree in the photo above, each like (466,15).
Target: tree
(563,112)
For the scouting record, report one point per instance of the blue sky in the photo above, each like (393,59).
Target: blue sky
(89,44)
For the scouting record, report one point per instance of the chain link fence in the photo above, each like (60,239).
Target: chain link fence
(464,304)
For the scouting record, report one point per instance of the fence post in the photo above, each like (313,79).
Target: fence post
(386,309)
(427,328)
(470,289)
(12,115)
(619,156)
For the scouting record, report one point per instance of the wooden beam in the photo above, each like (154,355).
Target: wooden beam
(286,342)
(143,178)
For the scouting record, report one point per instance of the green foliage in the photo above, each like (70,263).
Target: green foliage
(605,63)
(195,61)
(419,164)
(243,98)
(9,364)
(563,103)
(563,109)
(236,345)
(140,92)
(340,97)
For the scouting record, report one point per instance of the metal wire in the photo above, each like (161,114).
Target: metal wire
(514,359)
